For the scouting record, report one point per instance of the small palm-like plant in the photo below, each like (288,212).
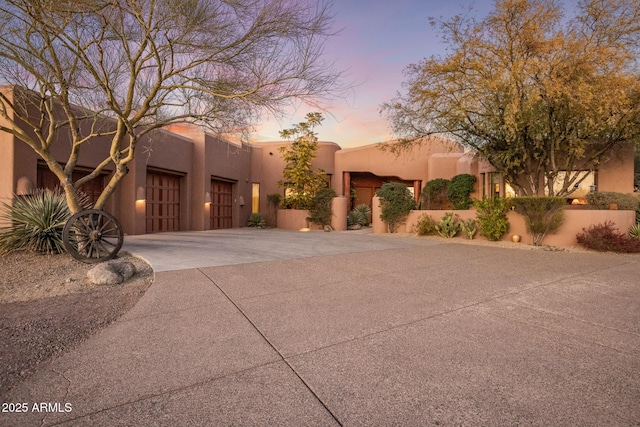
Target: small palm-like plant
(256,220)
(634,231)
(360,215)
(35,222)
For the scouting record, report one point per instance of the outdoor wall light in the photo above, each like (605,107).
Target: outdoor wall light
(141,194)
(207,198)
(592,188)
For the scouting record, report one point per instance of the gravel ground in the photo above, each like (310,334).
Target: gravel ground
(48,306)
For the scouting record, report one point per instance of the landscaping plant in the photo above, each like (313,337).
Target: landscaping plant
(542,215)
(396,202)
(320,212)
(256,220)
(634,231)
(492,216)
(36,222)
(448,226)
(434,194)
(469,228)
(425,226)
(606,237)
(605,199)
(360,215)
(460,189)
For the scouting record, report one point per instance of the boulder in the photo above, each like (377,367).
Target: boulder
(111,272)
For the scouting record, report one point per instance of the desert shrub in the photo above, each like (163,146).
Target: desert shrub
(460,189)
(606,237)
(542,215)
(425,226)
(320,212)
(360,215)
(634,231)
(604,199)
(274,200)
(36,222)
(492,216)
(469,228)
(448,226)
(256,220)
(396,202)
(434,195)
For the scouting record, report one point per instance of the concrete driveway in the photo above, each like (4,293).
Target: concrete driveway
(268,327)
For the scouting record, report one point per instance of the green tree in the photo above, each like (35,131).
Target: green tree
(300,180)
(120,70)
(396,202)
(545,98)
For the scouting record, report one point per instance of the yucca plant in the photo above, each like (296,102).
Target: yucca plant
(35,222)
(360,215)
(634,231)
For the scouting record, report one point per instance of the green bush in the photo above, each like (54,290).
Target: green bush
(256,220)
(460,189)
(320,212)
(469,228)
(274,200)
(604,199)
(448,226)
(492,217)
(434,195)
(634,231)
(36,222)
(542,215)
(426,226)
(396,202)
(360,215)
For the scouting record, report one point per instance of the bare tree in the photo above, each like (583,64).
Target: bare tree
(544,98)
(123,68)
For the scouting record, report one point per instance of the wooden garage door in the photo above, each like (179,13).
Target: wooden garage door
(163,202)
(92,189)
(221,204)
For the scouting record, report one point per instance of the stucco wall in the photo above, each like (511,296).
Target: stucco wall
(574,222)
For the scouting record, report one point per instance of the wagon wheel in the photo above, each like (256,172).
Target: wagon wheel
(92,236)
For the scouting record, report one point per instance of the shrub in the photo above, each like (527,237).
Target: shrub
(604,199)
(634,231)
(256,220)
(448,226)
(542,215)
(460,189)
(606,237)
(492,217)
(434,195)
(469,228)
(426,226)
(274,200)
(360,215)
(396,202)
(320,212)
(36,222)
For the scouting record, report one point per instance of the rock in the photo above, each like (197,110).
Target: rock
(354,227)
(328,228)
(111,272)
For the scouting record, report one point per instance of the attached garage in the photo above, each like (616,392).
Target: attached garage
(163,201)
(221,215)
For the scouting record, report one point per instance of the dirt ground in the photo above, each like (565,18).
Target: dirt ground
(48,306)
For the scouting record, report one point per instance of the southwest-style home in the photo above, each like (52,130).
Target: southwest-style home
(184,178)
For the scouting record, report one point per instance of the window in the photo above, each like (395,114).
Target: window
(255,197)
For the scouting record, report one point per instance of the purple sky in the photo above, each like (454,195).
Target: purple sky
(379,38)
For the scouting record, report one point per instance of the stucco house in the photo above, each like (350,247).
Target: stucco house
(184,178)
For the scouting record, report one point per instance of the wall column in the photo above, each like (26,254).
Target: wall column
(416,191)
(346,184)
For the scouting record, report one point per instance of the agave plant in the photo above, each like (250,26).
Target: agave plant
(360,215)
(35,222)
(634,231)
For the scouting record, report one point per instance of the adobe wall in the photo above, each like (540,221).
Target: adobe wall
(411,165)
(574,222)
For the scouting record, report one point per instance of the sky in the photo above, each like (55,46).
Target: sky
(378,39)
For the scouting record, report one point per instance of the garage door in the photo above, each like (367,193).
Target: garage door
(163,202)
(221,204)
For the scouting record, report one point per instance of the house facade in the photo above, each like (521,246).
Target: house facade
(184,178)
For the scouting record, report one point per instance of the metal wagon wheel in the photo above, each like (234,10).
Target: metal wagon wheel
(92,236)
